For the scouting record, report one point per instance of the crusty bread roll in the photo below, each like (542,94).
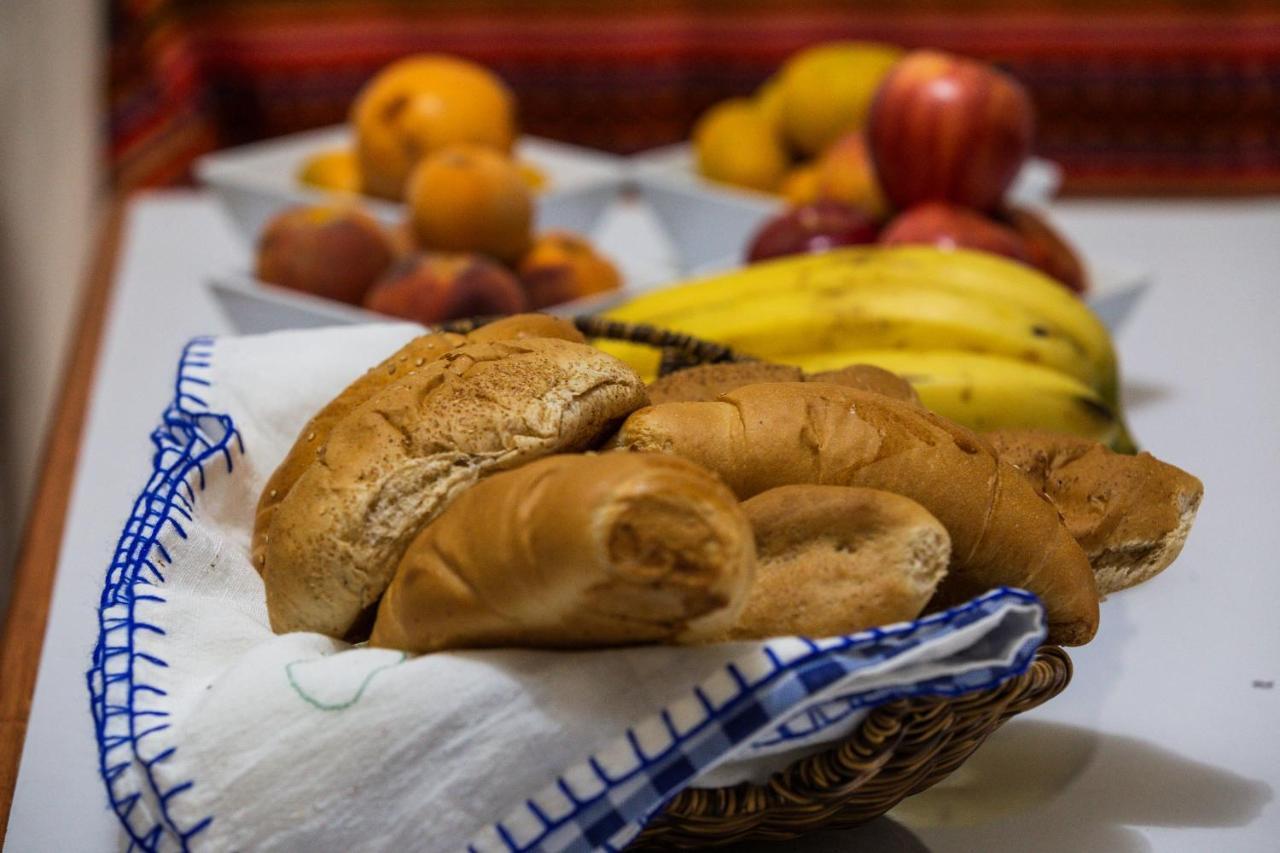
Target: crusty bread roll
(575,552)
(837,560)
(1002,532)
(416,353)
(868,377)
(520,326)
(315,434)
(396,461)
(1130,514)
(709,381)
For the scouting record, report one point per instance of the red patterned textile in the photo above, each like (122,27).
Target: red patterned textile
(1158,96)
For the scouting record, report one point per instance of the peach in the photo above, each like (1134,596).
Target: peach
(434,287)
(403,240)
(563,266)
(334,251)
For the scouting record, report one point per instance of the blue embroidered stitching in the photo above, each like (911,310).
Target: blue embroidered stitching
(189,438)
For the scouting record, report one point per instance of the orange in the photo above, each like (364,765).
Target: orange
(845,173)
(334,170)
(827,91)
(466,198)
(420,104)
(769,101)
(735,143)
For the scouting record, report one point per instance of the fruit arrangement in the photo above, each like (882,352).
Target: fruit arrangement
(435,132)
(432,268)
(413,108)
(985,341)
(916,147)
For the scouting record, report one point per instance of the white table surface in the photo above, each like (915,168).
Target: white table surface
(1168,737)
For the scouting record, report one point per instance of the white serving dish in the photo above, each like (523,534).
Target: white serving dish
(254,307)
(254,182)
(1037,183)
(707,221)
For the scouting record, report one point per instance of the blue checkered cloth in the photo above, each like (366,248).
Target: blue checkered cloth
(790,691)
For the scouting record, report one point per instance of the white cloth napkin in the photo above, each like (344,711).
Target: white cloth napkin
(216,734)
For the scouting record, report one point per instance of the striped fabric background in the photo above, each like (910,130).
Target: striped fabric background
(1156,96)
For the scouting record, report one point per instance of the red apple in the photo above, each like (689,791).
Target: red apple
(1046,249)
(948,129)
(814,227)
(949,227)
(434,287)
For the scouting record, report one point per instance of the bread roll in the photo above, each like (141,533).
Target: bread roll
(396,461)
(1130,514)
(575,552)
(520,326)
(709,381)
(416,353)
(868,377)
(837,560)
(1002,532)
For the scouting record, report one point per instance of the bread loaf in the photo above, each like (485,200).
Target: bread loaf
(1130,514)
(868,377)
(416,353)
(394,463)
(574,551)
(837,560)
(517,327)
(1002,532)
(709,381)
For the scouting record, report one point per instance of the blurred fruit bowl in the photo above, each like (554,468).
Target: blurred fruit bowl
(669,181)
(255,182)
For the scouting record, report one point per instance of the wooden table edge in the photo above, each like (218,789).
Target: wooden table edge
(22,633)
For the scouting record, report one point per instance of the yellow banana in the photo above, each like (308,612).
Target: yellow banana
(980,303)
(641,358)
(876,315)
(986,392)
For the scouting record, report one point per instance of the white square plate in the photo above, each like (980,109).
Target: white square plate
(707,221)
(254,182)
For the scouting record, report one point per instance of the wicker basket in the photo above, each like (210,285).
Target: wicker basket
(900,749)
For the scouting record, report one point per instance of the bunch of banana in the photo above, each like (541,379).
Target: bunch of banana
(987,342)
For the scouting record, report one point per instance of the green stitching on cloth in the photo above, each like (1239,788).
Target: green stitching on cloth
(339,706)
